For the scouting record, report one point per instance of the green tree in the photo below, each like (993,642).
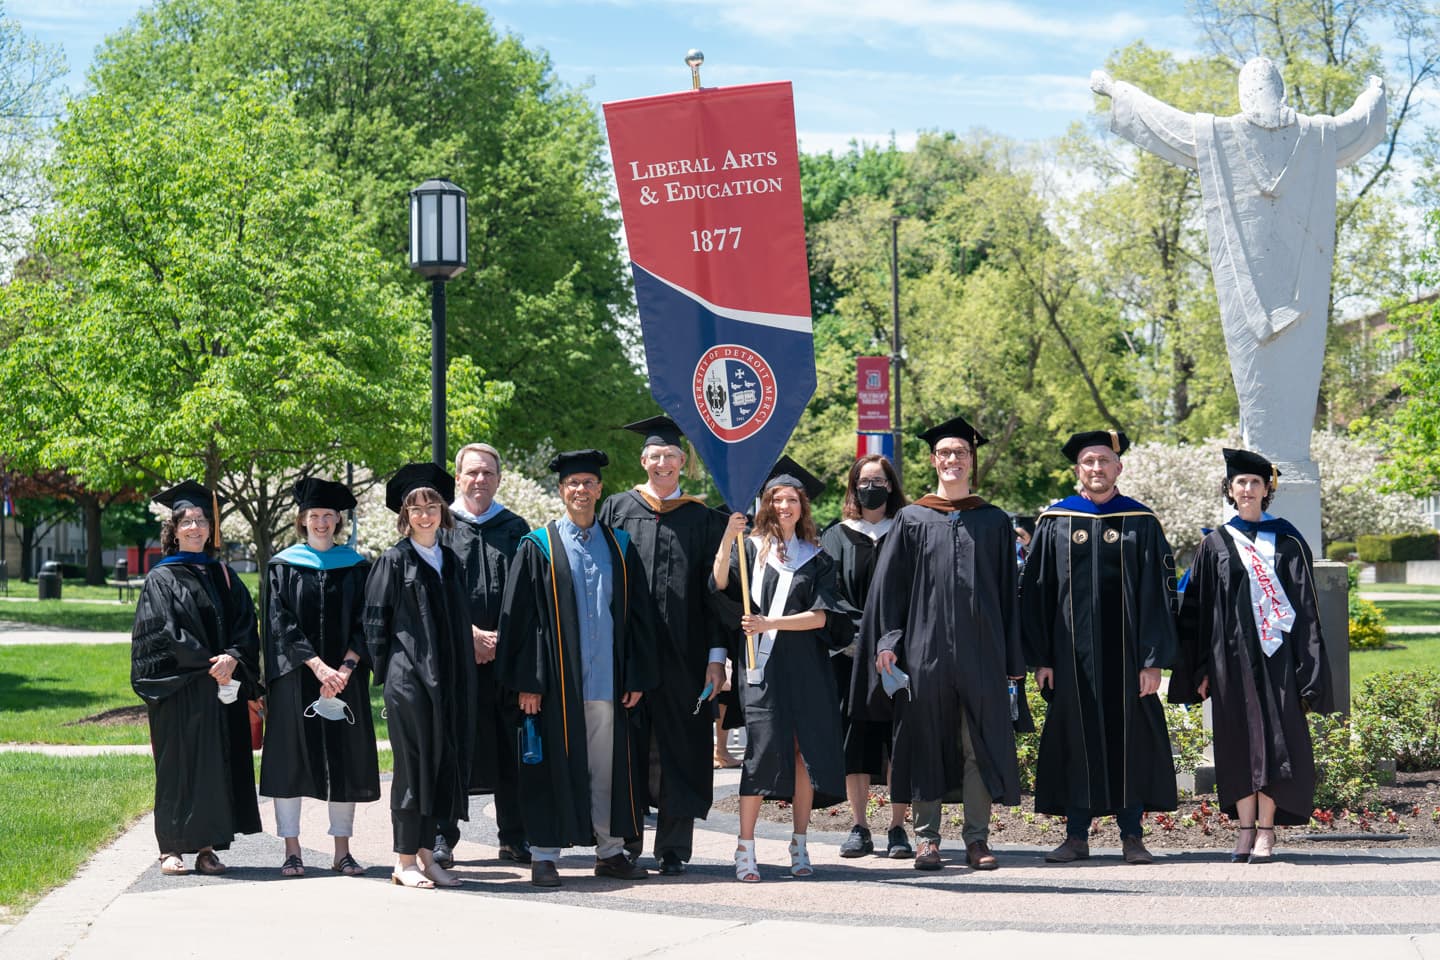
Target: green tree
(220,314)
(393,92)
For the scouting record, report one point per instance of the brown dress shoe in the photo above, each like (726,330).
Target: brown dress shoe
(1069,851)
(620,867)
(927,856)
(978,855)
(1134,850)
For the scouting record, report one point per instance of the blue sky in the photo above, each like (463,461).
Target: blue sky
(861,68)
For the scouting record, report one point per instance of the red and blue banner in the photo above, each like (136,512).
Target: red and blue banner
(881,443)
(709,185)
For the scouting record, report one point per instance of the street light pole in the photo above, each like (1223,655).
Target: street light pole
(896,430)
(438,250)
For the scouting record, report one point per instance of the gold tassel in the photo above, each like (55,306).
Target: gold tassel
(215,507)
(1114,441)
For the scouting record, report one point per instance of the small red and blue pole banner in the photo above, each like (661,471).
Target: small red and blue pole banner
(881,443)
(709,187)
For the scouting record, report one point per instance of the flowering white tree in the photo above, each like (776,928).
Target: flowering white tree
(518,492)
(1182,485)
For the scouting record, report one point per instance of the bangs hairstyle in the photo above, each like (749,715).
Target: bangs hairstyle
(767,524)
(896,500)
(169,537)
(302,533)
(1264,501)
(423,496)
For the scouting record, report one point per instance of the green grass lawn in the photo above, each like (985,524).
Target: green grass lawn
(88,801)
(70,615)
(70,589)
(1413,651)
(1408,613)
(43,687)
(1420,588)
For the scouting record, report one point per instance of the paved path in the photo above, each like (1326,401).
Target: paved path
(12,634)
(1315,905)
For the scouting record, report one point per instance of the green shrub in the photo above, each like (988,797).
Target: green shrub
(1344,771)
(1398,716)
(1341,550)
(1188,736)
(1027,745)
(1397,547)
(1367,624)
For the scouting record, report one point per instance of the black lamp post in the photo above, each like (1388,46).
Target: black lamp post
(438,251)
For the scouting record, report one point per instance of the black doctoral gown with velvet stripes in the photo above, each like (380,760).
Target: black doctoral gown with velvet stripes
(676,548)
(943,601)
(204,774)
(539,652)
(1097,600)
(486,551)
(1262,740)
(316,612)
(418,630)
(796,701)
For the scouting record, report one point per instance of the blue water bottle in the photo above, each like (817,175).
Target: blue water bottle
(1014,701)
(531,750)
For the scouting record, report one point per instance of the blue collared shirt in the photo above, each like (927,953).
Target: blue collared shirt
(594,580)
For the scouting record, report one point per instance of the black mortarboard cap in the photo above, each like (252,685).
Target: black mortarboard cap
(315,493)
(1114,439)
(788,473)
(954,427)
(188,493)
(413,476)
(659,430)
(579,461)
(1246,461)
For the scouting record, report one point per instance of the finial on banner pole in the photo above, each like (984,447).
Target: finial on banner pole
(693,59)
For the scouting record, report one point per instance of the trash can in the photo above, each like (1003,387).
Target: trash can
(49,580)
(122,569)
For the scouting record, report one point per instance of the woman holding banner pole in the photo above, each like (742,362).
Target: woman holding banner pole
(782,669)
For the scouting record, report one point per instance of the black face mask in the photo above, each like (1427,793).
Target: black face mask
(871,498)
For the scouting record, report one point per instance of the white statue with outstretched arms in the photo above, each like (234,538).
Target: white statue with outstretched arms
(1267,181)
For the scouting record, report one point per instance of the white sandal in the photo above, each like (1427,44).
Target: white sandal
(799,857)
(746,869)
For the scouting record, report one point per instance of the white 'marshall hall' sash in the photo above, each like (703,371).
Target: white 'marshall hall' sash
(798,553)
(1269,605)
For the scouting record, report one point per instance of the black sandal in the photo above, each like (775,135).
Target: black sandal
(1235,855)
(293,866)
(348,866)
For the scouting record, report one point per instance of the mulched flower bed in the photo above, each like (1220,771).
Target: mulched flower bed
(1405,814)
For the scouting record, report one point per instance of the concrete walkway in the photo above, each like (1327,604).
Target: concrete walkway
(13,634)
(1371,902)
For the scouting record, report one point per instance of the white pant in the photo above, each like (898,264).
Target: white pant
(287,818)
(600,752)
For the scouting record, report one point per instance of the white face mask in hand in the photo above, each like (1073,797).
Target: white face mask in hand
(331,708)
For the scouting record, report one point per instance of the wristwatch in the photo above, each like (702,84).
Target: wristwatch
(350,663)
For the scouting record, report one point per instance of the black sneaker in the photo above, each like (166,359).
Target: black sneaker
(444,857)
(858,844)
(898,844)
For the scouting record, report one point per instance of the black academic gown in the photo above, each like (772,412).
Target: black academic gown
(867,741)
(316,613)
(540,653)
(204,775)
(1262,740)
(418,633)
(676,548)
(485,551)
(1097,599)
(943,600)
(796,701)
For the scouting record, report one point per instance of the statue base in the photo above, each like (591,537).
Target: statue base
(1332,586)
(1298,500)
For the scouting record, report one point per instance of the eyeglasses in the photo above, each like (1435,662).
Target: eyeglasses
(188,522)
(953,453)
(873,484)
(581,484)
(428,510)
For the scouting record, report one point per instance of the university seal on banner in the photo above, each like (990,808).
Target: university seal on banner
(734,391)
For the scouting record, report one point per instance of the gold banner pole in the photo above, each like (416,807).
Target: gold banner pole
(745,599)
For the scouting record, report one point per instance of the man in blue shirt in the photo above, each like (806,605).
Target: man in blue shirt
(576,647)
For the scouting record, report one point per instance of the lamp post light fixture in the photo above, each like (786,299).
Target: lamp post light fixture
(438,250)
